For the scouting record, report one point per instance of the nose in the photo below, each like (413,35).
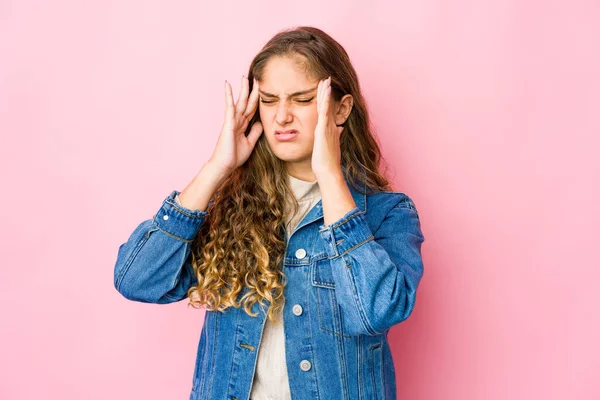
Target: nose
(283,115)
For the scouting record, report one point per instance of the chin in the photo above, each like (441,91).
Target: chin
(290,156)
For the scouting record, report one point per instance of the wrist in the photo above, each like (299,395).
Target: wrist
(214,172)
(332,175)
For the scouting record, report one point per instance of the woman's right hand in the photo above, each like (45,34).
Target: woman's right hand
(233,147)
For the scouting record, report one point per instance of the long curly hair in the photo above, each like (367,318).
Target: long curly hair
(240,246)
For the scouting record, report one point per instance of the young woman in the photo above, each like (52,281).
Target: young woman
(289,237)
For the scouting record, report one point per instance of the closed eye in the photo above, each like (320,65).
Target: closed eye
(299,101)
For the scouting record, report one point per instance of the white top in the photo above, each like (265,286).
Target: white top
(271,378)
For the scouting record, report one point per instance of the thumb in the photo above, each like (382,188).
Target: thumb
(255,132)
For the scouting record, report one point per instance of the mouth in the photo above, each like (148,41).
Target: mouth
(283,136)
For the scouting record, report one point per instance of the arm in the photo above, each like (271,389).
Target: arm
(376,273)
(154,265)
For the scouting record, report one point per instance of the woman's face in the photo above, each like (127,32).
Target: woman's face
(288,101)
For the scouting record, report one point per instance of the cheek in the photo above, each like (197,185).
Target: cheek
(309,116)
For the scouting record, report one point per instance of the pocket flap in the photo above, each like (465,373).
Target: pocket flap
(322,274)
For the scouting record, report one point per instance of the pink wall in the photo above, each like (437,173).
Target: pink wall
(488,112)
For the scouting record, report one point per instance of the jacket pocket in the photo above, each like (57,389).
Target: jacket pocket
(328,309)
(376,369)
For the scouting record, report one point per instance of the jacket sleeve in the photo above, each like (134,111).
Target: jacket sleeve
(154,265)
(376,273)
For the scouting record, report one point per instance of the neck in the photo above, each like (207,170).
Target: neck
(301,170)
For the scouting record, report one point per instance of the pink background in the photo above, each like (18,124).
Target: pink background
(488,112)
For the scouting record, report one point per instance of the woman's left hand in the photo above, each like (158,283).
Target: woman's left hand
(326,156)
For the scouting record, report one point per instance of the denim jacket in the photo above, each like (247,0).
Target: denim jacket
(348,283)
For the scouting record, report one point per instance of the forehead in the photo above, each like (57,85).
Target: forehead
(286,75)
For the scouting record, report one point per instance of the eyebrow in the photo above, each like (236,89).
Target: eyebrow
(291,95)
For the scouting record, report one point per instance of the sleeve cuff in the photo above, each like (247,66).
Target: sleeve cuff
(178,221)
(347,233)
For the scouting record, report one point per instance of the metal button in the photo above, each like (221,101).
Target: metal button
(305,365)
(297,309)
(300,253)
(166,217)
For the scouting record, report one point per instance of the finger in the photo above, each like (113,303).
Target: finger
(319,96)
(240,106)
(252,100)
(323,93)
(322,120)
(228,103)
(255,132)
(325,101)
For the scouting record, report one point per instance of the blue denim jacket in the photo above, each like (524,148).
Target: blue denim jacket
(348,284)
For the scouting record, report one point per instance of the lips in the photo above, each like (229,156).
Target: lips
(285,136)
